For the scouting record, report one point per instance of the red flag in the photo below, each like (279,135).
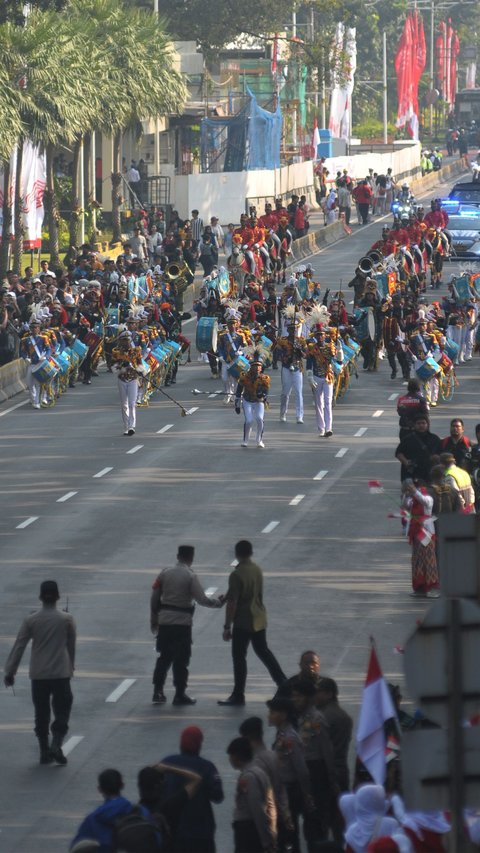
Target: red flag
(454,51)
(440,56)
(377,708)
(403,69)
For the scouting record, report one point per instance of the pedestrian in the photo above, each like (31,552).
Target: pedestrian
(246,622)
(309,671)
(331,207)
(345,200)
(415,451)
(252,391)
(196,223)
(171,616)
(254,815)
(363,196)
(139,246)
(421,533)
(218,232)
(457,443)
(460,481)
(410,405)
(53,636)
(195,829)
(99,825)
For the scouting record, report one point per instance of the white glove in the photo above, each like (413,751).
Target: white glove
(245,247)
(310,378)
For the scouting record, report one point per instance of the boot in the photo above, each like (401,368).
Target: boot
(56,749)
(45,755)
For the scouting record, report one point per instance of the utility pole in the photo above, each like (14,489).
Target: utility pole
(385,93)
(156,147)
(294,113)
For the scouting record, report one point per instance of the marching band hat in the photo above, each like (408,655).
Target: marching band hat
(165,306)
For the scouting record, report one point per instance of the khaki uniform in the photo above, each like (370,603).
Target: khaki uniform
(254,814)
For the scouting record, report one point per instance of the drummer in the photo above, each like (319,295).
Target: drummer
(252,389)
(424,345)
(231,342)
(34,349)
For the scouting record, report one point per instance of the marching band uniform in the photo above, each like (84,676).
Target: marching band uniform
(291,351)
(231,342)
(320,354)
(253,386)
(34,348)
(425,344)
(127,358)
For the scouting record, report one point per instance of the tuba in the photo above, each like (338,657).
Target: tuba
(376,258)
(365,265)
(175,273)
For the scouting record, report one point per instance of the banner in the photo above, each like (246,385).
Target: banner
(32,190)
(410,62)
(344,67)
(337,98)
(351,67)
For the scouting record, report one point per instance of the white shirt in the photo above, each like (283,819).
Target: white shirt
(133,175)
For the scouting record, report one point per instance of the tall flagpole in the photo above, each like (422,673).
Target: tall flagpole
(385,93)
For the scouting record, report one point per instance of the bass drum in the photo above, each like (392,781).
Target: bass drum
(207,334)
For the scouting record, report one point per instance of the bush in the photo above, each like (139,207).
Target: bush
(373,129)
(64,237)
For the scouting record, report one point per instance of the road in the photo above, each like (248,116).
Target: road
(105,512)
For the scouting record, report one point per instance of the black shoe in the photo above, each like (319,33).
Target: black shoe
(94,373)
(183,699)
(46,756)
(87,382)
(232,700)
(131,432)
(393,374)
(158,697)
(328,433)
(56,751)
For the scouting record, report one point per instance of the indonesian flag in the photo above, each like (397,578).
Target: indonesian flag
(315,139)
(377,708)
(454,51)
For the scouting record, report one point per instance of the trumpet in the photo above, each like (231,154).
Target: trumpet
(176,273)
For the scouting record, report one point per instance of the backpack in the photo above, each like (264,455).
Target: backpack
(136,833)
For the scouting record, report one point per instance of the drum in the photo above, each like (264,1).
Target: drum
(99,329)
(223,284)
(365,324)
(173,347)
(113,316)
(161,354)
(153,361)
(73,356)
(264,347)
(336,367)
(445,362)
(426,369)
(80,349)
(353,345)
(143,368)
(452,349)
(93,341)
(45,371)
(207,333)
(349,353)
(239,365)
(63,361)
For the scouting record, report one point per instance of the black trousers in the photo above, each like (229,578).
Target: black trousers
(240,643)
(247,839)
(56,691)
(194,845)
(174,644)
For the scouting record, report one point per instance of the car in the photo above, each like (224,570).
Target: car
(464,228)
(467,192)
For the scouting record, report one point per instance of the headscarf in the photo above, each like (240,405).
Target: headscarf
(370,822)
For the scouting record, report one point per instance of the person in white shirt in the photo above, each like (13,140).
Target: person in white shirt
(154,245)
(218,232)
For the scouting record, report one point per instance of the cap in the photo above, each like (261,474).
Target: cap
(49,589)
(191,740)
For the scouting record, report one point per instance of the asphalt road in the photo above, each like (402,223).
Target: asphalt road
(108,512)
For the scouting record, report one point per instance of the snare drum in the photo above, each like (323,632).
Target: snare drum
(80,349)
(143,368)
(174,348)
(239,365)
(92,341)
(445,362)
(336,367)
(63,361)
(207,334)
(427,369)
(45,371)
(452,349)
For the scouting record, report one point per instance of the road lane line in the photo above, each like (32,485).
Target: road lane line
(135,449)
(12,408)
(71,743)
(360,432)
(164,429)
(211,590)
(27,522)
(320,475)
(102,473)
(191,411)
(270,527)
(66,497)
(393,396)
(378,413)
(296,500)
(120,690)
(341,452)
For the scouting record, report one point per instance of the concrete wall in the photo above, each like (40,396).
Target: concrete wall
(405,161)
(12,379)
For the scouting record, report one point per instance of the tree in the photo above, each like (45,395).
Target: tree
(14,11)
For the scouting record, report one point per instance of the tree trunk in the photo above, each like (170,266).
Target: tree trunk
(116,194)
(7,221)
(18,215)
(52,214)
(77,203)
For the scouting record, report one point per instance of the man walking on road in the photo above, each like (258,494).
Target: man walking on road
(53,636)
(171,615)
(246,622)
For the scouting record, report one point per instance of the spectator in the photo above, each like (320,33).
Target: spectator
(99,824)
(309,672)
(415,451)
(267,760)
(344,201)
(217,232)
(460,480)
(331,205)
(299,220)
(457,443)
(197,226)
(154,245)
(139,245)
(363,196)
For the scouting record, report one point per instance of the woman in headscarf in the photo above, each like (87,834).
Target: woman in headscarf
(370,822)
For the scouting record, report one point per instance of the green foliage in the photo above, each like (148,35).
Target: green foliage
(373,129)
(64,235)
(13,11)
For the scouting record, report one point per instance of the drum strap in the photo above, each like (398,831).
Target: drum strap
(34,344)
(235,349)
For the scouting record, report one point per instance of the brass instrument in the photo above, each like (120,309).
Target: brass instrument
(176,274)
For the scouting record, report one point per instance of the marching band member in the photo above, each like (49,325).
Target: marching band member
(424,344)
(320,354)
(231,342)
(34,349)
(252,389)
(291,349)
(127,358)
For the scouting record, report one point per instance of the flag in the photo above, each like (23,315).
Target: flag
(32,190)
(403,70)
(454,51)
(440,42)
(377,708)
(315,139)
(337,98)
(471,75)
(419,50)
(351,67)
(375,487)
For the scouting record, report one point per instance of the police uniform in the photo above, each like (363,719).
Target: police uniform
(254,814)
(321,376)
(291,352)
(294,775)
(253,390)
(318,751)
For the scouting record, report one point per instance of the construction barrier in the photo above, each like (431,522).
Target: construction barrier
(12,379)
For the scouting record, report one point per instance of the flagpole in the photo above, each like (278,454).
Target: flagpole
(385,93)
(432,51)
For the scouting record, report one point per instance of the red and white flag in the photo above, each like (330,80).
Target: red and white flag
(315,138)
(377,708)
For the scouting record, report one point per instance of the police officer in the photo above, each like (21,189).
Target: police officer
(53,636)
(254,816)
(171,615)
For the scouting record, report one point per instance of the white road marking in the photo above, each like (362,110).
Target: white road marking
(71,743)
(102,473)
(270,527)
(211,396)
(296,500)
(211,590)
(27,522)
(378,413)
(66,497)
(191,411)
(120,690)
(341,452)
(164,429)
(320,475)
(184,322)
(12,408)
(360,432)
(393,396)
(135,449)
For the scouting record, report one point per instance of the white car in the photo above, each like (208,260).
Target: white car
(464,228)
